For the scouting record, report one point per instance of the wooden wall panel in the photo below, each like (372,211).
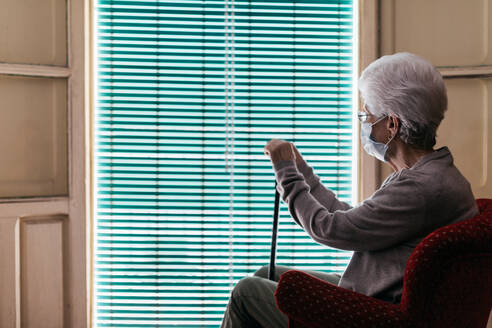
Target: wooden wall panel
(33,137)
(33,32)
(33,272)
(42,272)
(465,130)
(447,32)
(45,147)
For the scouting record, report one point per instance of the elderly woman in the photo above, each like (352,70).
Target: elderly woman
(404,102)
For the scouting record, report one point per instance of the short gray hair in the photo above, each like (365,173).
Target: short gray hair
(411,88)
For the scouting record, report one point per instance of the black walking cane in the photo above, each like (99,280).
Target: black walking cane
(271,269)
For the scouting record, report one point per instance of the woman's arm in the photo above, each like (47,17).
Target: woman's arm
(393,214)
(323,195)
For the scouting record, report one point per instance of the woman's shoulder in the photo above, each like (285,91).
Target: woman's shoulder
(436,174)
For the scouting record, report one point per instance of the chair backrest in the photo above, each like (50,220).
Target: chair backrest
(448,277)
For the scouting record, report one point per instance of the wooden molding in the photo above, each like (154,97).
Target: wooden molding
(369,169)
(463,71)
(34,207)
(35,70)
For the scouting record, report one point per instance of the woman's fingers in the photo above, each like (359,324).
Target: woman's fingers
(269,146)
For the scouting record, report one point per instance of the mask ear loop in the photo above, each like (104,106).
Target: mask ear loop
(393,137)
(379,120)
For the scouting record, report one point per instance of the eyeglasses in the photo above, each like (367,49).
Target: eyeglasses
(363,116)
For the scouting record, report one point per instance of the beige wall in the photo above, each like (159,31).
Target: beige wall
(455,36)
(43,171)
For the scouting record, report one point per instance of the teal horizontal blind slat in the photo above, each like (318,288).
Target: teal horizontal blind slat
(188,94)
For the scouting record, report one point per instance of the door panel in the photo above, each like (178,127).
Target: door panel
(447,32)
(44,177)
(33,136)
(465,130)
(34,264)
(33,32)
(41,242)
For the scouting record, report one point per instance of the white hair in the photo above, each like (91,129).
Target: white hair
(411,88)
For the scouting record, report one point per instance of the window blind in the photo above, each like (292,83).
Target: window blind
(188,93)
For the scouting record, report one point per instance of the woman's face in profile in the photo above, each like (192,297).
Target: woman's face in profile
(379,131)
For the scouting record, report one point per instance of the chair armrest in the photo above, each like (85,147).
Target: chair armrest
(313,302)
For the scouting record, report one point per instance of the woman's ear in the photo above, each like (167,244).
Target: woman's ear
(393,124)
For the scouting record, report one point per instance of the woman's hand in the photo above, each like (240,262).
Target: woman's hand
(279,150)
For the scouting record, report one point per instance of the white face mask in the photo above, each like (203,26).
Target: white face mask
(373,148)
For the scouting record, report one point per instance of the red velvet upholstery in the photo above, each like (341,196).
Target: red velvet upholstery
(447,283)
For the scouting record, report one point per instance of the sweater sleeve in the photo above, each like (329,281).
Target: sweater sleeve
(392,215)
(323,195)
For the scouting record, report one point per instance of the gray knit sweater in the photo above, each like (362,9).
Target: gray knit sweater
(384,229)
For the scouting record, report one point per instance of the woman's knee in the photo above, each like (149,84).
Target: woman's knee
(253,302)
(247,286)
(262,272)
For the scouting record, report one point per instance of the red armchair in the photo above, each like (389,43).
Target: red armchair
(447,283)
